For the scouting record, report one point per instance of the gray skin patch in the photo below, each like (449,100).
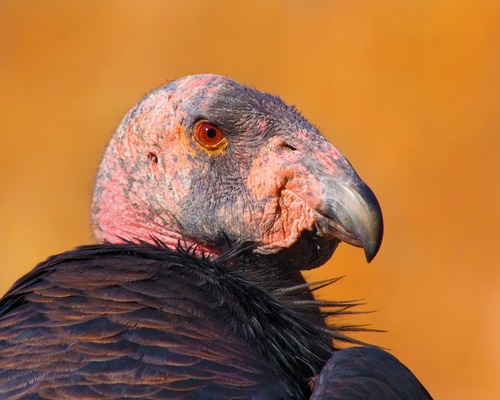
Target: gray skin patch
(266,188)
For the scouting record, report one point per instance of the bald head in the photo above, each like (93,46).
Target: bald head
(209,162)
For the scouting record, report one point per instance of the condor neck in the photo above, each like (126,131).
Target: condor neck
(120,217)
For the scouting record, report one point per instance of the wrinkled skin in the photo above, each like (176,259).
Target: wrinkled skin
(205,301)
(276,184)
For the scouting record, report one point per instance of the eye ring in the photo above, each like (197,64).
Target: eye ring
(209,136)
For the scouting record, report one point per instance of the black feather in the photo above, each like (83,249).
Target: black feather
(108,318)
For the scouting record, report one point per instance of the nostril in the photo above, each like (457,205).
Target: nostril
(287,146)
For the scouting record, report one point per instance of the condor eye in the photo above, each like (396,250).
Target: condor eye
(209,136)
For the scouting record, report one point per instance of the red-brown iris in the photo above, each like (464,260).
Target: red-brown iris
(209,136)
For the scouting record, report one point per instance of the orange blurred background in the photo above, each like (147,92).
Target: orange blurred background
(407,90)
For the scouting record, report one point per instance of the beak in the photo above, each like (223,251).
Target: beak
(350,212)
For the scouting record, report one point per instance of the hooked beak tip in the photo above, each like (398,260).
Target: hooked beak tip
(371,231)
(353,215)
(371,249)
